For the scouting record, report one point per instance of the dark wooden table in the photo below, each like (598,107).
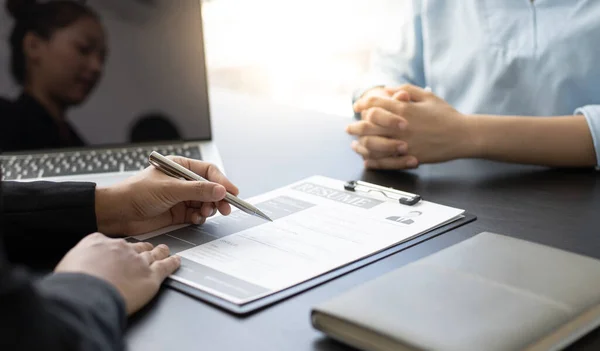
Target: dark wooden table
(266,146)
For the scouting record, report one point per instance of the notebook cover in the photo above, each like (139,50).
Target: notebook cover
(489,292)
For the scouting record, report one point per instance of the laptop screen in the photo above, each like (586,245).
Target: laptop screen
(101,72)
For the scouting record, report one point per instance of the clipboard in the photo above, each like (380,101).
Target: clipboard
(264,302)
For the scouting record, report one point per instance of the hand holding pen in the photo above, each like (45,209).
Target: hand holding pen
(150,200)
(176,170)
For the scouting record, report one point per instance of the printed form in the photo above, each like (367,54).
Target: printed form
(317,227)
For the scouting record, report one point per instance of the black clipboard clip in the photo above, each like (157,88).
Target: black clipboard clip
(391,193)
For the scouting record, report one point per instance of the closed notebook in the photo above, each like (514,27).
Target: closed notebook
(490,292)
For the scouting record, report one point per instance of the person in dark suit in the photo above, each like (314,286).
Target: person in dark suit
(58,49)
(83,304)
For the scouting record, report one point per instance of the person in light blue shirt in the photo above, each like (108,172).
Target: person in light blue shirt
(511,80)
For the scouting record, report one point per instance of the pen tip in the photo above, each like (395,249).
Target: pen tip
(265,217)
(259,213)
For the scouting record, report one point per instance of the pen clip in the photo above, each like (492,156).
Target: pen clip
(171,168)
(403,197)
(165,170)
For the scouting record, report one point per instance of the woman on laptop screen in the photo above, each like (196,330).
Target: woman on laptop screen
(58,50)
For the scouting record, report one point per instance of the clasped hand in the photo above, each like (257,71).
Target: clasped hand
(403,127)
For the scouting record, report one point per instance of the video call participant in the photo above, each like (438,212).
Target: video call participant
(58,52)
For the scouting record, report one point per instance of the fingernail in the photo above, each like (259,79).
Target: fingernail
(219,191)
(401,148)
(412,163)
(401,125)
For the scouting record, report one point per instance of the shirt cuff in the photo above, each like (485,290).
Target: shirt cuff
(592,116)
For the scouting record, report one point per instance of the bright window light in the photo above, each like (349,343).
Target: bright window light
(309,53)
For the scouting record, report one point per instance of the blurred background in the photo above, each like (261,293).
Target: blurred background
(309,53)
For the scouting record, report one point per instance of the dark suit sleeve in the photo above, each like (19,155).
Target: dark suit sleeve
(64,311)
(47,218)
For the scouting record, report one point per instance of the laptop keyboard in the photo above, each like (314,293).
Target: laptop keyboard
(87,162)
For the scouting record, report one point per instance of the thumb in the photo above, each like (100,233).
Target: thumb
(416,93)
(197,191)
(402,95)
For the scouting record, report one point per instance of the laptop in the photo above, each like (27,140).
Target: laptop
(153,95)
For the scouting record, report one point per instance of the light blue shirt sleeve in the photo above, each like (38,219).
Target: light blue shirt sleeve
(496,57)
(592,116)
(398,58)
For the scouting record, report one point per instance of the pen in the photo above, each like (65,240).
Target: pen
(176,170)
